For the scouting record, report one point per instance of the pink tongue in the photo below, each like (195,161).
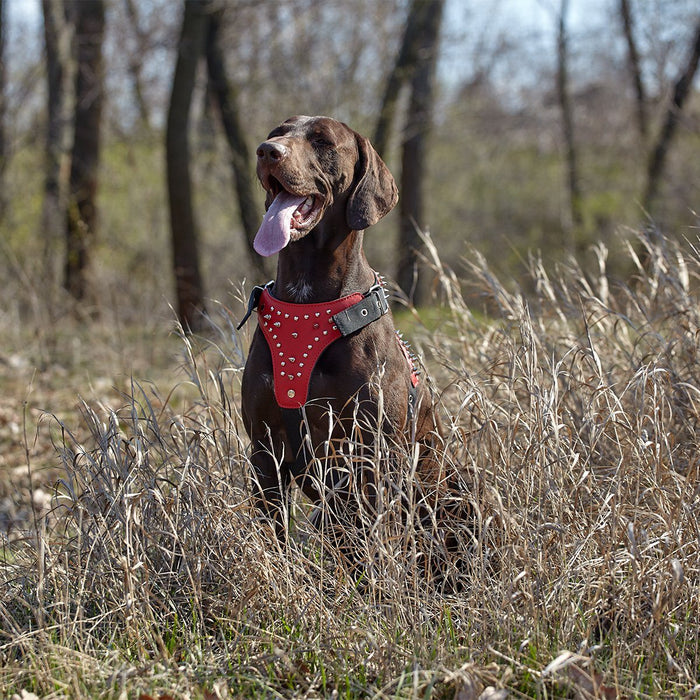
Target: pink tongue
(275,229)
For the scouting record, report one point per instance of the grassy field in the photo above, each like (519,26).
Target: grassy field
(132,565)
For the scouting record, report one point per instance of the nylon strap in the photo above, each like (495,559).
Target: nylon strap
(253,301)
(372,307)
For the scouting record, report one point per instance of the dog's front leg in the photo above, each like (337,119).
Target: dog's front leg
(271,484)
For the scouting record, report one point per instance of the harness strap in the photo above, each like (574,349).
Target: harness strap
(412,401)
(253,301)
(371,307)
(298,334)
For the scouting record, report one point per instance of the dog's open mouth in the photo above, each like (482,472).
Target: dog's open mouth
(289,217)
(304,214)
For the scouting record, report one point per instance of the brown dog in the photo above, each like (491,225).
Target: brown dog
(325,364)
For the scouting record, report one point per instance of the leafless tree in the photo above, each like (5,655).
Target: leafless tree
(567,121)
(414,162)
(401,73)
(183,226)
(136,61)
(682,88)
(242,165)
(635,68)
(60,69)
(3,90)
(82,205)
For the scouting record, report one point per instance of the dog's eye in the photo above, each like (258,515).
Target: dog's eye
(320,142)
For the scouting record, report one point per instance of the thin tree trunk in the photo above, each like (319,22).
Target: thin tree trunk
(3,89)
(227,99)
(657,161)
(183,226)
(567,118)
(414,164)
(82,206)
(60,71)
(401,73)
(635,68)
(135,63)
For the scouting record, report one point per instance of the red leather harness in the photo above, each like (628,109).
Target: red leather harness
(297,334)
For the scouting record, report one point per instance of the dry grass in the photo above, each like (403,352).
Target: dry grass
(573,417)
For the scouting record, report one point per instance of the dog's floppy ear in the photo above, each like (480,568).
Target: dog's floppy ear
(374,193)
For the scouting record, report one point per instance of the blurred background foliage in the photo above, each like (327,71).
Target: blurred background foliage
(497,171)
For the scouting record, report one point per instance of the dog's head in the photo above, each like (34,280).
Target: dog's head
(316,168)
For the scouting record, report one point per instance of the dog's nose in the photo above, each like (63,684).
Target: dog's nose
(271,151)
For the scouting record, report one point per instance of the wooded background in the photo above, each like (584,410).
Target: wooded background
(128,133)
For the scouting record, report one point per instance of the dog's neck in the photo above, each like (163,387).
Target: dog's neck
(316,268)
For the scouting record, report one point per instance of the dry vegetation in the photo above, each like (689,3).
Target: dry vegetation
(572,414)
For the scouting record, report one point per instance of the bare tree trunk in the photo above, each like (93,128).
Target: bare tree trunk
(3,88)
(227,99)
(82,206)
(135,63)
(414,153)
(657,161)
(401,73)
(188,279)
(60,72)
(567,118)
(635,68)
